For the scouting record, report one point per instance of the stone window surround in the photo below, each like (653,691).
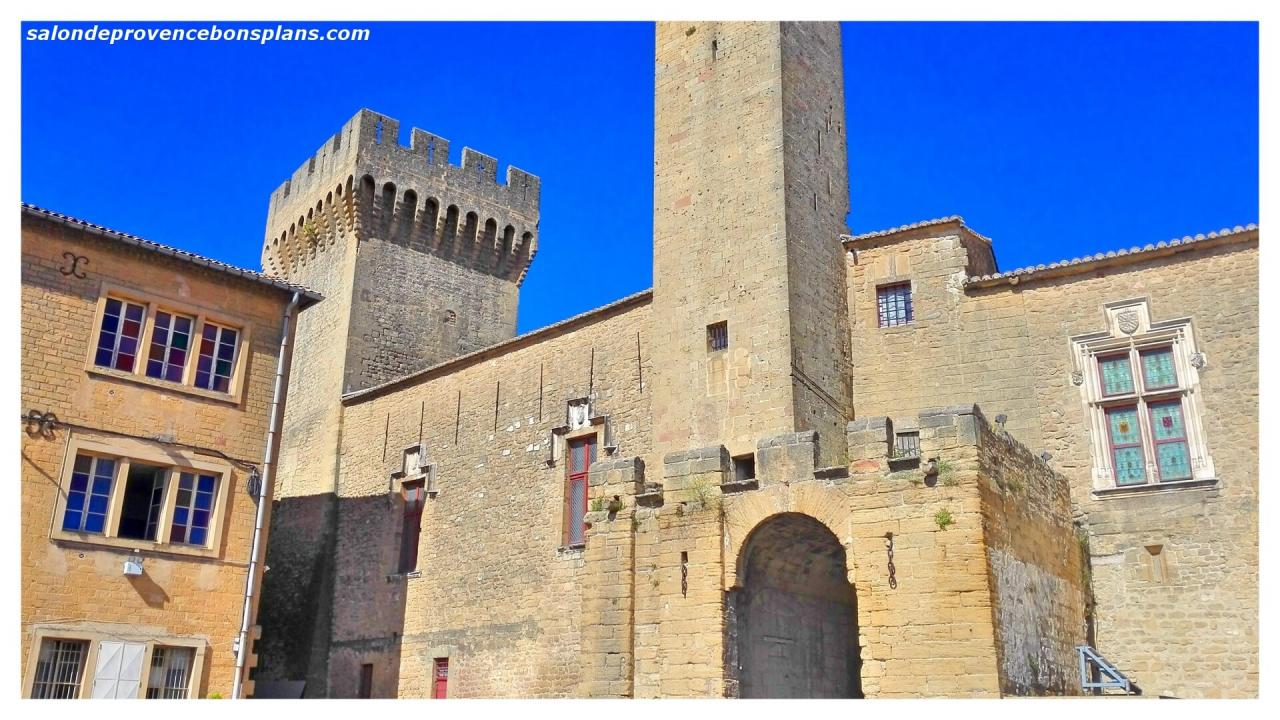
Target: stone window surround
(95,633)
(125,451)
(154,302)
(563,440)
(1140,334)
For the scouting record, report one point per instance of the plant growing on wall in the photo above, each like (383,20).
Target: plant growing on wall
(943,518)
(597,504)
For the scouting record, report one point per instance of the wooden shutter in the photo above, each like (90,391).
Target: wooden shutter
(118,673)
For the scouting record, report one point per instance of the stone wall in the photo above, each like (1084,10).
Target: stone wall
(499,593)
(80,583)
(1007,344)
(1037,564)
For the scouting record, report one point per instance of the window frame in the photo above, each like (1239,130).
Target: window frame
(125,452)
(908,304)
(152,304)
(94,634)
(1132,335)
(584,435)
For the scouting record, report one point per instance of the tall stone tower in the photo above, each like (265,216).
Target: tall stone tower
(750,329)
(419,261)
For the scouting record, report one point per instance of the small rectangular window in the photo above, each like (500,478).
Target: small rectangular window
(906,445)
(440,675)
(193,508)
(744,468)
(1158,372)
(1116,375)
(170,674)
(120,335)
(717,336)
(411,533)
(217,357)
(89,494)
(366,681)
(1173,458)
(1126,445)
(170,341)
(582,453)
(893,303)
(59,669)
(143,499)
(1157,570)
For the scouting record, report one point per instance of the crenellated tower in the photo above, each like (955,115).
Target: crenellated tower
(420,261)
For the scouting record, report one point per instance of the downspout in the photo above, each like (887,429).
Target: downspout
(264,494)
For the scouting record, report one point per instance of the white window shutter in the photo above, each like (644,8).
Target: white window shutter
(130,670)
(107,672)
(119,669)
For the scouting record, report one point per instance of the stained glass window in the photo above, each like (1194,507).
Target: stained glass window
(89,494)
(582,453)
(1117,375)
(170,341)
(193,508)
(119,336)
(1173,459)
(1157,369)
(1126,445)
(217,357)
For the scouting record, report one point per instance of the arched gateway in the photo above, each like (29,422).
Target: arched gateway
(793,628)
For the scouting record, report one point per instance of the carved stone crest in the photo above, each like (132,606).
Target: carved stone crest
(1128,321)
(1197,360)
(1077,377)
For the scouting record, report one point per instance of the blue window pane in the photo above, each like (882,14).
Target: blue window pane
(71,520)
(113,306)
(202,379)
(93,523)
(110,323)
(1117,376)
(103,358)
(180,515)
(1166,421)
(1129,466)
(206,483)
(229,336)
(204,501)
(225,351)
(153,368)
(133,312)
(1158,370)
(102,486)
(1123,423)
(106,468)
(79,482)
(1174,461)
(98,504)
(128,345)
(174,373)
(200,519)
(198,536)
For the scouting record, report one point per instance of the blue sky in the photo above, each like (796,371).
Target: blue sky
(1054,139)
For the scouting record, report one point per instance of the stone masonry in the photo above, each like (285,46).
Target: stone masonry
(788,496)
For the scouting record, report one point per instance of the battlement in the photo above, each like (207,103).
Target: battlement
(370,136)
(363,181)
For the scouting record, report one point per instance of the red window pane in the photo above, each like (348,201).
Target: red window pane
(440,676)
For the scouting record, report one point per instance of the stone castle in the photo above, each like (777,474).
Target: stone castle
(804,464)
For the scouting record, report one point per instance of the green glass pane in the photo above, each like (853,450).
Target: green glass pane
(1166,421)
(1129,466)
(1157,369)
(1117,376)
(1124,426)
(1174,461)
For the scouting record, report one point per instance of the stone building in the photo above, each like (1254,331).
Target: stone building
(147,386)
(803,465)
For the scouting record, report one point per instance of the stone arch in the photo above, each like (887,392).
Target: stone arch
(792,618)
(747,512)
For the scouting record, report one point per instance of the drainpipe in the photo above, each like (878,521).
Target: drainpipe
(264,494)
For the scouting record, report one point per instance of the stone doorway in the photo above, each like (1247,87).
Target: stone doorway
(792,619)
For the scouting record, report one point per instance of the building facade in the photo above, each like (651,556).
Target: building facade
(804,464)
(147,386)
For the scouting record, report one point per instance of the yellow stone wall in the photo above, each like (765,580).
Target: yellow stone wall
(81,584)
